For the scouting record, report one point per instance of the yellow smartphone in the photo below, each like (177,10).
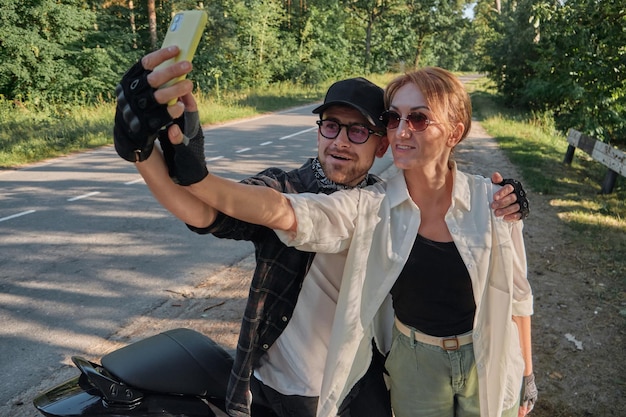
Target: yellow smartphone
(185,31)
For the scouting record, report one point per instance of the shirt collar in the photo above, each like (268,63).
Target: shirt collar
(461,190)
(397,191)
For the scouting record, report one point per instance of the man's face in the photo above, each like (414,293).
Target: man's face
(345,162)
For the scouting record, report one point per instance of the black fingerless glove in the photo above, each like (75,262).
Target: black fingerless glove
(529,394)
(186,161)
(138,116)
(522,199)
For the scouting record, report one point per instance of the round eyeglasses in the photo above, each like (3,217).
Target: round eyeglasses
(417,121)
(357,133)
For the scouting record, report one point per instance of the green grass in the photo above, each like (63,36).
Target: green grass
(537,150)
(532,144)
(31,132)
(216,108)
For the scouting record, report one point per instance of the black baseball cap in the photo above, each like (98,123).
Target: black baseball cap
(363,95)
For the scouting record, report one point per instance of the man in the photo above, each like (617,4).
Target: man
(287,323)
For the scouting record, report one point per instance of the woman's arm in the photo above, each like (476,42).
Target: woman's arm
(259,205)
(198,204)
(522,311)
(524,327)
(529,389)
(176,199)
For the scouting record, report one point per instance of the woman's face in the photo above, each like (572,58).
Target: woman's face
(412,149)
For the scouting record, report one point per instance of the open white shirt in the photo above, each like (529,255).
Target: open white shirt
(378,225)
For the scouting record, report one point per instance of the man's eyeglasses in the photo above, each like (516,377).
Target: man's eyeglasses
(357,132)
(417,121)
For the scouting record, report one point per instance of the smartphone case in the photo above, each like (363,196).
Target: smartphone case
(185,31)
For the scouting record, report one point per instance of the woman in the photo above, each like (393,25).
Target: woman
(457,274)
(437,367)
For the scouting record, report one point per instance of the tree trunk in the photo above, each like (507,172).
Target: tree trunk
(133,26)
(368,45)
(152,23)
(418,53)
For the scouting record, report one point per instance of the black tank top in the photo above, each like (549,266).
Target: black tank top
(433,293)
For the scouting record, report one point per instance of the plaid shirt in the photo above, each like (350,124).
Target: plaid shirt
(276,282)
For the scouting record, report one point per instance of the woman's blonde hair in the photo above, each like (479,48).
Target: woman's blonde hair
(444,93)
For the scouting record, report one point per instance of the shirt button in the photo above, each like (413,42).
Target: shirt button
(470,266)
(454,230)
(266,346)
(284,318)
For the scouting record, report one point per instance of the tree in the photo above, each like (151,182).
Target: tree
(152,23)
(369,12)
(512,48)
(133,25)
(426,32)
(582,63)
(429,19)
(564,58)
(42,48)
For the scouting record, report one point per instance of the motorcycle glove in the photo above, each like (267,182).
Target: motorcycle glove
(185,161)
(138,116)
(522,198)
(529,394)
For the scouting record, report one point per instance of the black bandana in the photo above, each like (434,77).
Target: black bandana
(327,184)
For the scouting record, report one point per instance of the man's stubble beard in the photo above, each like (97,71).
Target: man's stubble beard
(349,176)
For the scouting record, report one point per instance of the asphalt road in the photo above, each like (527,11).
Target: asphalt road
(85,249)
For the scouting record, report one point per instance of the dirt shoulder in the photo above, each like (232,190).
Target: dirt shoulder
(577,338)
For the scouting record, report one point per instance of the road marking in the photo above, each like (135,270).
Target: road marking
(24,213)
(297,133)
(139,180)
(80,197)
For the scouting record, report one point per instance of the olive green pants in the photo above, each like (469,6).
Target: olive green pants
(428,381)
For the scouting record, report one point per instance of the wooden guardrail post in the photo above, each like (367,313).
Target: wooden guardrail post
(610,157)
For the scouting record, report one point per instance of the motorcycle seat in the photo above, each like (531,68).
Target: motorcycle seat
(179,361)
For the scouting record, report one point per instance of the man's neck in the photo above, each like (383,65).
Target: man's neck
(329,184)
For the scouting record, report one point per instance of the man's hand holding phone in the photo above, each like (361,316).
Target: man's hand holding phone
(142,107)
(148,94)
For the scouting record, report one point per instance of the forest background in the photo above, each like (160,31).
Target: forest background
(561,60)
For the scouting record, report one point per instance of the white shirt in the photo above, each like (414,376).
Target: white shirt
(378,225)
(294,364)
